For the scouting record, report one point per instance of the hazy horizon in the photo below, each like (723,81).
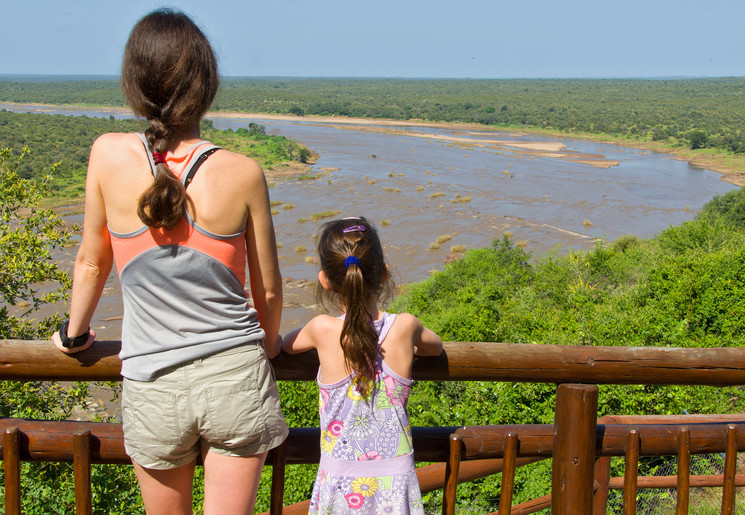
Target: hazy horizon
(29,77)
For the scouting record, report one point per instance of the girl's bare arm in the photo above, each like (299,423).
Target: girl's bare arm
(426,342)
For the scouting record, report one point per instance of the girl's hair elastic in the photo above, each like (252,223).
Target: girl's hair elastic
(353,228)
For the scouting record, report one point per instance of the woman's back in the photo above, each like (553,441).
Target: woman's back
(221,193)
(196,378)
(182,287)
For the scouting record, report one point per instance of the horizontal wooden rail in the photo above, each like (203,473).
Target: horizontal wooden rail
(53,441)
(652,482)
(487,442)
(46,440)
(38,360)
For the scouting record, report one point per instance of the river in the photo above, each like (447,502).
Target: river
(463,187)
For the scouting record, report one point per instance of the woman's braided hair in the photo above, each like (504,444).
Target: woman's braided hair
(169,77)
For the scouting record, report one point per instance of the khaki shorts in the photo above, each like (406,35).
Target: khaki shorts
(226,403)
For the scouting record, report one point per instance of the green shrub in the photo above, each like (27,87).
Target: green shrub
(730,207)
(684,288)
(28,237)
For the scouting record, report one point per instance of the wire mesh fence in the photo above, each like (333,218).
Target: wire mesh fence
(662,501)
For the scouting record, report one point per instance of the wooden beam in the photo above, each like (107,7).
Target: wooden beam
(488,442)
(651,482)
(631,472)
(450,491)
(47,440)
(730,471)
(81,444)
(12,469)
(38,360)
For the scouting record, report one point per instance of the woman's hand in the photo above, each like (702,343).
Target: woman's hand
(57,341)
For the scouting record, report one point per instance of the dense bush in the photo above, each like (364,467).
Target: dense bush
(684,288)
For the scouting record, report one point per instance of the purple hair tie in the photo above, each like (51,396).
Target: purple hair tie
(354,228)
(351,260)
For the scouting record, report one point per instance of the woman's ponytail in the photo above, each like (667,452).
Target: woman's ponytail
(169,77)
(162,204)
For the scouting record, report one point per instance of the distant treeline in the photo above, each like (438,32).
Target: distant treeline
(696,113)
(66,141)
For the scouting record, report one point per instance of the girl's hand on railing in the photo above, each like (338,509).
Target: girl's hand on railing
(57,341)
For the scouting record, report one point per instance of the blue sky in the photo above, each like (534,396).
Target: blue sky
(397,38)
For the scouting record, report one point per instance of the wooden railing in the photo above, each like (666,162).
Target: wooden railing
(577,442)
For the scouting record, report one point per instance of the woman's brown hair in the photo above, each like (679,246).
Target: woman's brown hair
(169,76)
(352,259)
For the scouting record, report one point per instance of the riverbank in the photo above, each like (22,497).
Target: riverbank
(731,167)
(434,193)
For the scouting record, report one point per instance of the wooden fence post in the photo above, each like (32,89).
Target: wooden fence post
(602,482)
(451,475)
(12,463)
(575,424)
(279,459)
(508,474)
(684,470)
(631,472)
(81,443)
(730,471)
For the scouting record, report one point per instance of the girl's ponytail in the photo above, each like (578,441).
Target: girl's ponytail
(352,261)
(359,340)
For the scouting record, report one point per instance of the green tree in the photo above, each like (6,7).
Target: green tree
(698,139)
(30,279)
(29,237)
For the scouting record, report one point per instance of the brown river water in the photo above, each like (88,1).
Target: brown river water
(418,184)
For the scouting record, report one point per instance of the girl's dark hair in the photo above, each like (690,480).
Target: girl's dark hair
(352,260)
(169,76)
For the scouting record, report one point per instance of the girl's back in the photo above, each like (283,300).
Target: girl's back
(364,378)
(397,347)
(367,462)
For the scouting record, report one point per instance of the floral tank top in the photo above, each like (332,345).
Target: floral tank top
(367,461)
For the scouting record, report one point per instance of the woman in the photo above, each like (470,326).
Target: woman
(196,375)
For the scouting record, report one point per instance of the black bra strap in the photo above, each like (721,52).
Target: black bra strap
(200,160)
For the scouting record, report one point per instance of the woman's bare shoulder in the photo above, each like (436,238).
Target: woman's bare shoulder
(237,161)
(114,140)
(242,171)
(113,146)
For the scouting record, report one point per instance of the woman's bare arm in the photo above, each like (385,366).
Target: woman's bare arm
(95,257)
(263,265)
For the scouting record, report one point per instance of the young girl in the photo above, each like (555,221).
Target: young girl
(367,460)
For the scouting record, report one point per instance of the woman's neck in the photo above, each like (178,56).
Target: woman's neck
(184,139)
